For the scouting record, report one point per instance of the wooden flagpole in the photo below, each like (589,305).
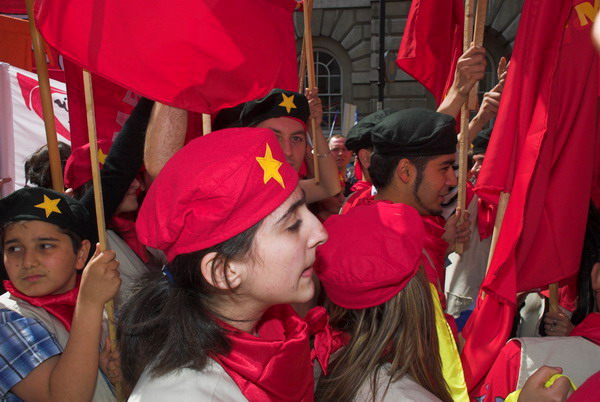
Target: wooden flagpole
(310,65)
(91,122)
(46,96)
(206,124)
(463,144)
(302,67)
(478,41)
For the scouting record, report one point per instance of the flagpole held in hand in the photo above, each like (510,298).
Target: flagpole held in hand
(91,122)
(465,114)
(310,65)
(46,96)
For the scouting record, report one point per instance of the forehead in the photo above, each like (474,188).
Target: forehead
(282,125)
(337,142)
(294,197)
(31,229)
(441,160)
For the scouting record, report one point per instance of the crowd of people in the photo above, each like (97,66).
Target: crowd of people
(238,276)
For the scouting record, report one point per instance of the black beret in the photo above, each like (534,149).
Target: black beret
(278,103)
(415,132)
(480,143)
(359,136)
(228,118)
(42,204)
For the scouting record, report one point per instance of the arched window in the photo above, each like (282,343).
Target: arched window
(328,76)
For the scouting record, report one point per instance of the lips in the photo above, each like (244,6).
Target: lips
(307,273)
(32,278)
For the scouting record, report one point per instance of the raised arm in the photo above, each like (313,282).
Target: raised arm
(470,68)
(330,183)
(166,135)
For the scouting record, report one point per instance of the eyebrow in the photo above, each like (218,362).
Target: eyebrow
(448,162)
(293,208)
(10,241)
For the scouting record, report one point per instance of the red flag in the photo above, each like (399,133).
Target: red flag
(432,43)
(542,153)
(197,55)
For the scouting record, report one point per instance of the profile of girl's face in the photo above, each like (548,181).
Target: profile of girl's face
(283,253)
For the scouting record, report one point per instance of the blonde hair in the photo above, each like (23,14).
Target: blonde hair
(400,331)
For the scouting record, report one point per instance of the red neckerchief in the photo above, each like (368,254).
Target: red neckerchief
(326,340)
(125,227)
(589,328)
(356,199)
(359,185)
(275,366)
(61,306)
(342,180)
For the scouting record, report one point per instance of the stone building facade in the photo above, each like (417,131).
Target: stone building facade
(346,44)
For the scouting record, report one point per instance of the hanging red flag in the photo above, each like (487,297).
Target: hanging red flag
(197,55)
(542,153)
(432,43)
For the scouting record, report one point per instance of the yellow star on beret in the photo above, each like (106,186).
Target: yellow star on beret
(101,156)
(49,205)
(270,167)
(288,103)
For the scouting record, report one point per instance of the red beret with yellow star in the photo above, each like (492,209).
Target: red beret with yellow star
(43,204)
(213,189)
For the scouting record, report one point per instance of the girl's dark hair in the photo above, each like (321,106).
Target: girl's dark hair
(167,324)
(590,255)
(37,165)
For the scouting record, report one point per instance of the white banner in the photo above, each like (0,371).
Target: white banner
(21,121)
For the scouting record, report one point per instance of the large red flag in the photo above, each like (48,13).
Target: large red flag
(432,43)
(199,55)
(542,153)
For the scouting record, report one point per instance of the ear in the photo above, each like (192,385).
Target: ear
(364,156)
(405,171)
(596,277)
(220,275)
(82,254)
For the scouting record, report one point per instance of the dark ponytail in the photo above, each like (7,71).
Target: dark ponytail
(167,322)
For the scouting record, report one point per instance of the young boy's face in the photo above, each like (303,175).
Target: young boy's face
(39,258)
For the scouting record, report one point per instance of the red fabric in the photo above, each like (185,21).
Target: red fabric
(589,328)
(436,249)
(356,198)
(486,213)
(201,56)
(360,185)
(432,43)
(358,171)
(12,7)
(275,366)
(61,306)
(326,340)
(359,273)
(542,153)
(112,106)
(588,390)
(504,374)
(239,182)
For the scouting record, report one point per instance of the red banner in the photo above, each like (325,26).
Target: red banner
(197,55)
(542,153)
(432,43)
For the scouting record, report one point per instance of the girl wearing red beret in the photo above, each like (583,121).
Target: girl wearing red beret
(379,296)
(216,323)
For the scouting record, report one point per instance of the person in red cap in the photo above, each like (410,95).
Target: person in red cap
(286,113)
(399,346)
(240,244)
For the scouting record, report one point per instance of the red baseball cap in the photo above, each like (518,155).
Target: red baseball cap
(78,169)
(213,189)
(361,271)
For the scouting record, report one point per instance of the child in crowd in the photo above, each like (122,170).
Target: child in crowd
(240,244)
(51,317)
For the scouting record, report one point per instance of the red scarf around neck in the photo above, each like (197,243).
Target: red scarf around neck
(61,306)
(276,365)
